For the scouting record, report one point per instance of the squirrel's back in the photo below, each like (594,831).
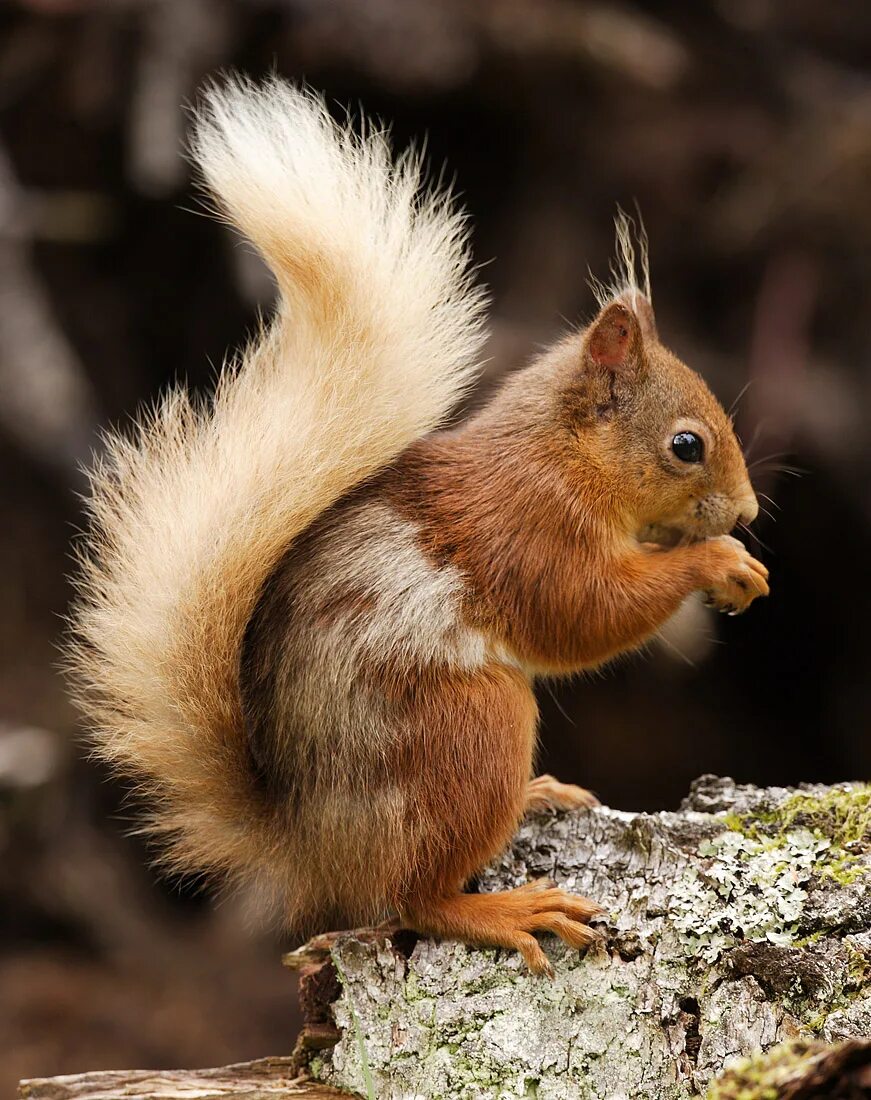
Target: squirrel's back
(373,341)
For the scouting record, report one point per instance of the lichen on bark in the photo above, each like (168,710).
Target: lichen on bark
(739,922)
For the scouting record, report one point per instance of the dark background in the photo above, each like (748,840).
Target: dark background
(742,129)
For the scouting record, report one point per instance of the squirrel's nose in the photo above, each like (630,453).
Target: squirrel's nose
(749,509)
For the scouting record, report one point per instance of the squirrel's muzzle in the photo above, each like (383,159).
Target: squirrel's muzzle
(748,509)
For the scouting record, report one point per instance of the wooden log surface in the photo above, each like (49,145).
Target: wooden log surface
(735,961)
(265,1079)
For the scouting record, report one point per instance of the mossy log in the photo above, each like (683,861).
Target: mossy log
(736,925)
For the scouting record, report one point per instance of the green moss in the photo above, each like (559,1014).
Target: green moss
(841,817)
(845,870)
(817,1022)
(810,940)
(858,967)
(736,823)
(763,1076)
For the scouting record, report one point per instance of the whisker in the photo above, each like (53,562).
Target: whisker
(552,693)
(734,406)
(754,439)
(676,650)
(773,503)
(756,538)
(774,454)
(768,458)
(782,468)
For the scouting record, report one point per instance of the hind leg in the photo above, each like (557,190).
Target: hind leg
(468,744)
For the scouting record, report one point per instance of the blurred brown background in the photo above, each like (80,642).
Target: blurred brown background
(743,130)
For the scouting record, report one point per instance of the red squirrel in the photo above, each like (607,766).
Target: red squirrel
(310,615)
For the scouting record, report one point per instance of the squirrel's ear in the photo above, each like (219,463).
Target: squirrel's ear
(614,340)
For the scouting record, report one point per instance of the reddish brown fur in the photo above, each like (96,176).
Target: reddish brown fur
(464,757)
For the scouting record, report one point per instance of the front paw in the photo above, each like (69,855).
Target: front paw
(732,577)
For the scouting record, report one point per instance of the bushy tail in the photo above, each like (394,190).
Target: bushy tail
(374,339)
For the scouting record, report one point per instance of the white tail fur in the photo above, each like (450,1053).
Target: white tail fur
(374,340)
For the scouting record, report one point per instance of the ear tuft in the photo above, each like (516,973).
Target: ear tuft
(614,340)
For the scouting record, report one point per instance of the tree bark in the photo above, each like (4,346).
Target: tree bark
(740,922)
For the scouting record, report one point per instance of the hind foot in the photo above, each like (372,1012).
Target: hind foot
(547,793)
(509,920)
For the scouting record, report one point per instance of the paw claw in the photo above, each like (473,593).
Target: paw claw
(547,908)
(734,577)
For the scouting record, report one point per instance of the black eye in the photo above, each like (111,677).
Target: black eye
(688,447)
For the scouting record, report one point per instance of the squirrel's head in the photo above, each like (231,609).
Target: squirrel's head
(652,426)
(663,433)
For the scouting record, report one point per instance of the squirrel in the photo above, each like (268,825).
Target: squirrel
(311,611)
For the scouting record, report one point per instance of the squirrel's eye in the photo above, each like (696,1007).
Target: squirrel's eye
(688,447)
